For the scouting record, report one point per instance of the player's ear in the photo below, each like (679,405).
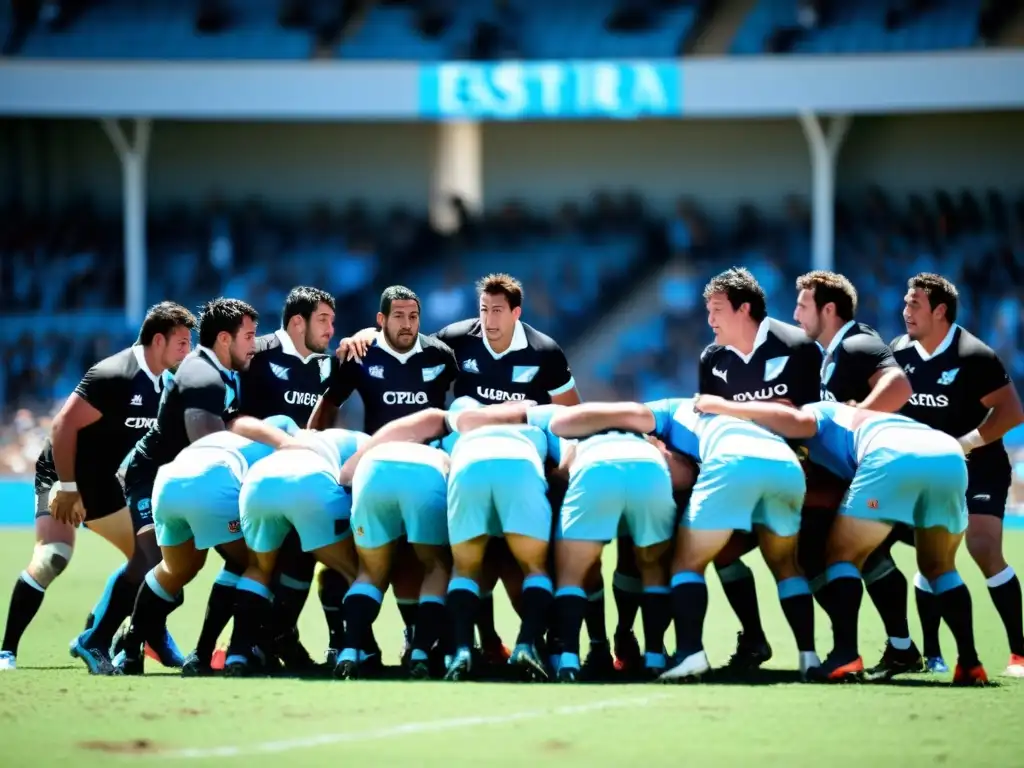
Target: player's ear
(517,313)
(381,319)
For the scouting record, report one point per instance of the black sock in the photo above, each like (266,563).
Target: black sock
(408,608)
(597,628)
(537,597)
(26,598)
(930,615)
(430,621)
(362,607)
(888,592)
(253,610)
(289,599)
(798,607)
(119,607)
(845,592)
(485,619)
(220,607)
(1006,596)
(571,608)
(656,614)
(741,592)
(463,601)
(627,591)
(689,608)
(331,589)
(955,603)
(152,607)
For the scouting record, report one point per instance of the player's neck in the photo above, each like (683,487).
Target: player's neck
(153,361)
(299,344)
(747,337)
(932,341)
(499,346)
(828,334)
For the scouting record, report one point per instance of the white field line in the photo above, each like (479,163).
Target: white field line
(407,729)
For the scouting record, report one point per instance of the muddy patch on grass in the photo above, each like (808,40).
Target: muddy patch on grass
(129,747)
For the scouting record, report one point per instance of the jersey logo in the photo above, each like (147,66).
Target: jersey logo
(498,395)
(376,371)
(723,375)
(280,371)
(136,400)
(137,422)
(908,368)
(948,377)
(325,369)
(523,374)
(405,398)
(774,367)
(429,374)
(470,366)
(924,400)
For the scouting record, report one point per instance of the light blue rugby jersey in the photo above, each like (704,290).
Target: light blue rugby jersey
(841,439)
(338,445)
(535,431)
(703,436)
(250,450)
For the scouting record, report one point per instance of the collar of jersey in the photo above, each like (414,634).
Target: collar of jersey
(288,347)
(140,355)
(518,341)
(759,339)
(212,356)
(838,338)
(399,356)
(943,346)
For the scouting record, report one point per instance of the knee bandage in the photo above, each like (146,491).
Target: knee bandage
(49,562)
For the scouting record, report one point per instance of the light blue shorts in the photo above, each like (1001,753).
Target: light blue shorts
(609,498)
(493,497)
(737,493)
(200,504)
(294,488)
(395,498)
(918,491)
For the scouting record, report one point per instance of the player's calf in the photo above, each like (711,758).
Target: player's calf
(49,559)
(574,561)
(463,601)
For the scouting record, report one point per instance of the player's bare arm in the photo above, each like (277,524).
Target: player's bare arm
(200,423)
(354,347)
(781,419)
(420,427)
(74,416)
(890,391)
(590,418)
(490,415)
(324,415)
(1005,413)
(260,431)
(570,397)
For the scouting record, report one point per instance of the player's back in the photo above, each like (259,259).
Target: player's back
(336,446)
(250,451)
(614,447)
(500,442)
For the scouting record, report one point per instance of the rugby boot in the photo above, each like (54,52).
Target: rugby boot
(628,658)
(567,674)
(331,658)
(165,650)
(655,665)
(7,661)
(419,666)
(97,660)
(461,666)
(527,661)
(494,653)
(966,676)
(690,669)
(125,664)
(406,646)
(935,664)
(838,668)
(808,661)
(599,664)
(1014,669)
(750,653)
(292,653)
(195,667)
(895,662)
(250,665)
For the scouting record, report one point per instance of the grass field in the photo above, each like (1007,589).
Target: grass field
(52,710)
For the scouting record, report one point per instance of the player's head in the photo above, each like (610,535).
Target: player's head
(399,317)
(501,305)
(167,330)
(228,327)
(825,302)
(309,316)
(929,306)
(735,301)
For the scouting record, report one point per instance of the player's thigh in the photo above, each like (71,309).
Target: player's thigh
(884,490)
(594,504)
(853,539)
(218,521)
(117,529)
(321,512)
(650,510)
(942,501)
(173,499)
(783,489)
(471,510)
(696,548)
(723,498)
(47,529)
(263,503)
(521,501)
(376,508)
(107,513)
(936,550)
(424,506)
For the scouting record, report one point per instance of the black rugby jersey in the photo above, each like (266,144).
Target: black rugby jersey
(532,368)
(394,384)
(201,382)
(950,383)
(127,394)
(855,355)
(281,381)
(784,363)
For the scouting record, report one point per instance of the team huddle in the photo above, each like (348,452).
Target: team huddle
(818,445)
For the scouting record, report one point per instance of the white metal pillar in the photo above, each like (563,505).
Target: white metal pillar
(457,171)
(824,147)
(133,156)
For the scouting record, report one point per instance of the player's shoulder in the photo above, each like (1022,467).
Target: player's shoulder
(790,335)
(710,352)
(861,337)
(901,343)
(268,343)
(123,364)
(196,370)
(538,340)
(463,329)
(968,345)
(434,347)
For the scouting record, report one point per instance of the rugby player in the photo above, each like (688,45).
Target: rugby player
(901,471)
(500,358)
(199,400)
(195,508)
(286,377)
(399,371)
(753,357)
(749,480)
(961,388)
(859,370)
(98,424)
(294,489)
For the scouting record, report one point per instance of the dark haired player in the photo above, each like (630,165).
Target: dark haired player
(99,423)
(961,388)
(754,357)
(200,399)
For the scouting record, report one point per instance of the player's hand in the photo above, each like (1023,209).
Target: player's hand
(710,404)
(354,347)
(67,507)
